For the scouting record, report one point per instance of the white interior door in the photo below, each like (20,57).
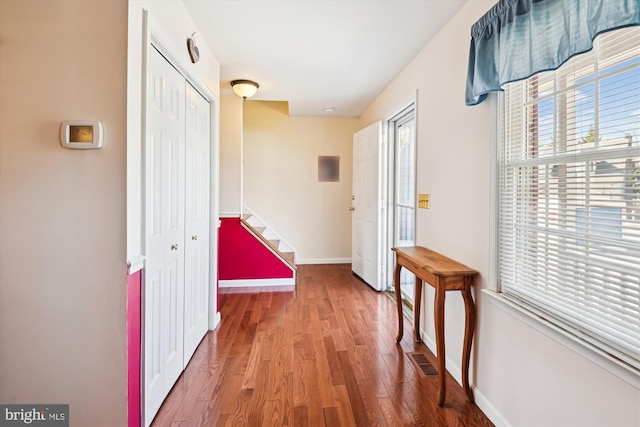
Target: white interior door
(164,231)
(367,204)
(197,222)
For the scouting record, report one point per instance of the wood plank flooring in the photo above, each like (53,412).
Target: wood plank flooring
(321,355)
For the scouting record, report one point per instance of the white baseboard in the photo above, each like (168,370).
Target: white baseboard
(481,401)
(229,215)
(489,410)
(324,261)
(452,367)
(250,283)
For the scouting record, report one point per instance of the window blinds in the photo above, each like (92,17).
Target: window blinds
(569,195)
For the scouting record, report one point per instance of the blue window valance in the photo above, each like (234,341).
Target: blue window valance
(519,38)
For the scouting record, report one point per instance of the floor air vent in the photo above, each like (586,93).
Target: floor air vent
(421,363)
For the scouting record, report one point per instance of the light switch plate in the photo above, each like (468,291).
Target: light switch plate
(423,201)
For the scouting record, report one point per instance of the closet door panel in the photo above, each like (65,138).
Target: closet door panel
(155,227)
(197,221)
(174,196)
(177,160)
(164,232)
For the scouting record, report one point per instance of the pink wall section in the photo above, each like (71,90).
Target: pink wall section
(134,287)
(241,256)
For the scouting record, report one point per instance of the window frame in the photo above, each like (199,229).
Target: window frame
(530,316)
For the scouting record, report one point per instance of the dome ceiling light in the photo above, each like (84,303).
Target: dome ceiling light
(245,88)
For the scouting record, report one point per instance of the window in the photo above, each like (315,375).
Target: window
(569,195)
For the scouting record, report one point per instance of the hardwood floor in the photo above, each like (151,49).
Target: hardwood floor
(322,355)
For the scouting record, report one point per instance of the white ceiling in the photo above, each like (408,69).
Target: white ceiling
(317,54)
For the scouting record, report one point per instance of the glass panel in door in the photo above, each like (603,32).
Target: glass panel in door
(405,191)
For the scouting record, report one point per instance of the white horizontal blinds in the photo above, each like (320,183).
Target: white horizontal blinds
(406,185)
(570,195)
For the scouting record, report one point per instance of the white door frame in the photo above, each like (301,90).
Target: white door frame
(152,39)
(390,183)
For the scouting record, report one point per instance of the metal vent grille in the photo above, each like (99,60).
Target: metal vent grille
(421,363)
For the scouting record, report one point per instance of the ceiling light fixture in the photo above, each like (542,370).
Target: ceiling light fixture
(245,88)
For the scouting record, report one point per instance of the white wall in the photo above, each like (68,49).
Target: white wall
(62,211)
(522,376)
(172,24)
(281,179)
(230,155)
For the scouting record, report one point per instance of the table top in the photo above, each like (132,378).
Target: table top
(434,262)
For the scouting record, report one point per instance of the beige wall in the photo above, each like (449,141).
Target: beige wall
(522,376)
(62,211)
(281,178)
(230,155)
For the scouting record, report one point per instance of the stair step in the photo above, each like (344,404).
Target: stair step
(270,235)
(260,232)
(283,247)
(254,222)
(289,257)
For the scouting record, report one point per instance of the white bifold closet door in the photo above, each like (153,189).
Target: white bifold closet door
(176,188)
(197,221)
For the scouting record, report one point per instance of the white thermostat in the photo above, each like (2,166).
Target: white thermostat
(81,134)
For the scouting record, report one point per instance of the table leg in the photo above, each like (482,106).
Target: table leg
(396,286)
(439,325)
(417,304)
(469,327)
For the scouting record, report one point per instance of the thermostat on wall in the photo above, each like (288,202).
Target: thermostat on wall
(81,134)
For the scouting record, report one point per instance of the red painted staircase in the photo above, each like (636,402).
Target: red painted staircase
(251,255)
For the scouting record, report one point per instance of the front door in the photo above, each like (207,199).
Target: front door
(367,205)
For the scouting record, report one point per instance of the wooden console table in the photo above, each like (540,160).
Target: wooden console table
(444,274)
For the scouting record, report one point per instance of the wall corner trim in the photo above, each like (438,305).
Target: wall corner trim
(253,283)
(135,264)
(324,261)
(215,321)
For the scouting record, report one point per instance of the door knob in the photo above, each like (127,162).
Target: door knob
(194,237)
(352,209)
(353,197)
(174,247)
